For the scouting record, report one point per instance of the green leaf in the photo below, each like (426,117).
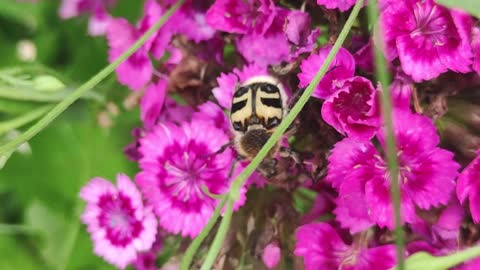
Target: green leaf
(470,6)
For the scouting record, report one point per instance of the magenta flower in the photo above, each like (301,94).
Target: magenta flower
(353,110)
(177,161)
(476,49)
(242,17)
(342,67)
(469,187)
(174,112)
(342,5)
(257,49)
(97,9)
(228,82)
(426,174)
(152,102)
(119,225)
(192,23)
(427,38)
(297,26)
(211,112)
(322,248)
(271,255)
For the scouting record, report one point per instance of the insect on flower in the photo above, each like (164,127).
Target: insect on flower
(258,107)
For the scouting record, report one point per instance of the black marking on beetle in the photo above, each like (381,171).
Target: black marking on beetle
(272,122)
(238,106)
(272,102)
(268,88)
(238,126)
(241,91)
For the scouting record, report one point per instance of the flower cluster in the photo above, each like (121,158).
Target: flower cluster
(184,78)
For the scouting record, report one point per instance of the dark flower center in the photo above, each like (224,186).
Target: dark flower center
(431,23)
(118,219)
(353,103)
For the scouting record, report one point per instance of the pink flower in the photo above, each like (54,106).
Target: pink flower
(257,49)
(229,81)
(174,112)
(152,102)
(211,112)
(271,255)
(97,9)
(342,67)
(192,23)
(426,174)
(342,5)
(297,26)
(352,109)
(476,49)
(469,187)
(119,225)
(322,248)
(427,38)
(177,161)
(242,17)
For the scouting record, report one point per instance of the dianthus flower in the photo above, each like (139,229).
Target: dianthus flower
(342,67)
(227,83)
(342,5)
(468,186)
(177,161)
(401,89)
(241,17)
(119,225)
(359,172)
(352,109)
(322,248)
(427,38)
(97,9)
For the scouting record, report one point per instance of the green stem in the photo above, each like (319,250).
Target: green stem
(451,260)
(64,104)
(234,191)
(192,249)
(23,119)
(384,77)
(219,237)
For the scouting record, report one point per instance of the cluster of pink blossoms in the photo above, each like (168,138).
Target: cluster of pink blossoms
(177,147)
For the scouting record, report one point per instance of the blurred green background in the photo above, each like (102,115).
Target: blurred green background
(39,204)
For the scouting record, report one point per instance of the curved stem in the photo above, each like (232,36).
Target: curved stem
(64,104)
(383,76)
(234,191)
(219,237)
(192,249)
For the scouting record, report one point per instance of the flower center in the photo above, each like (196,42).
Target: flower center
(118,220)
(353,103)
(430,23)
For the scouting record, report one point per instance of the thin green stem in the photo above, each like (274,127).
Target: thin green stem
(192,249)
(64,104)
(383,76)
(219,237)
(451,260)
(234,191)
(23,119)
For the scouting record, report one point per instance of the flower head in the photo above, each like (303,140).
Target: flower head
(242,17)
(342,67)
(177,161)
(468,186)
(352,109)
(119,224)
(426,174)
(427,38)
(476,49)
(401,89)
(322,248)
